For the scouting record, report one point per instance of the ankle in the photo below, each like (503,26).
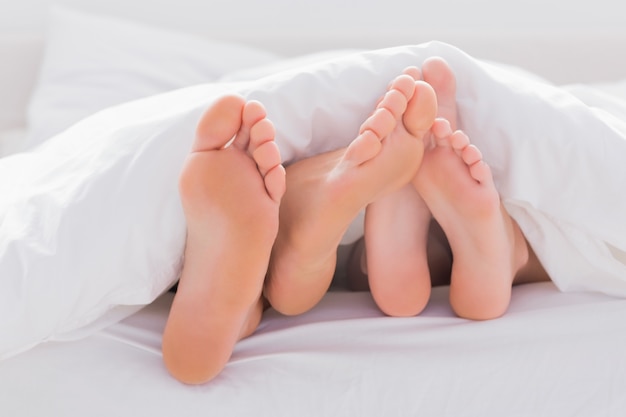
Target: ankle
(526,265)
(520,249)
(532,270)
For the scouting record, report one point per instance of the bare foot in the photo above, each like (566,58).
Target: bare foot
(440,76)
(404,255)
(326,192)
(396,232)
(487,245)
(230,192)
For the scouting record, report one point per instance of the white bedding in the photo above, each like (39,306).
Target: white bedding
(12,141)
(553,354)
(557,163)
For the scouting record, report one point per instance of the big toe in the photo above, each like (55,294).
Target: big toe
(440,76)
(421,109)
(219,123)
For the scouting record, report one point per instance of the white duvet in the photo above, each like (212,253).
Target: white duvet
(90,222)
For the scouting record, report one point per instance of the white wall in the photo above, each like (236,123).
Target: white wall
(562,40)
(340,16)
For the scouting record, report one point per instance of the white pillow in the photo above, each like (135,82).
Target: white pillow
(92,62)
(91,224)
(295,63)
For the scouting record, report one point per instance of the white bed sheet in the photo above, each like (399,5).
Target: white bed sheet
(553,354)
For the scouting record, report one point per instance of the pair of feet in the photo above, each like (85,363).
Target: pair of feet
(454,189)
(255,231)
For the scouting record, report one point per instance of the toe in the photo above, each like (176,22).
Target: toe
(437,72)
(459,140)
(365,147)
(439,75)
(219,123)
(441,133)
(481,172)
(405,84)
(275,183)
(382,123)
(261,132)
(252,113)
(266,156)
(421,109)
(471,155)
(394,101)
(441,128)
(413,72)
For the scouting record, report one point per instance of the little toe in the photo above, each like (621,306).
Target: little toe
(275,183)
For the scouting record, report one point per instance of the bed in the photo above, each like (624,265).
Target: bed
(555,352)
